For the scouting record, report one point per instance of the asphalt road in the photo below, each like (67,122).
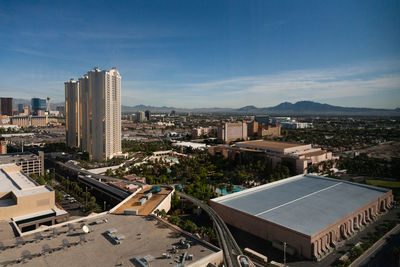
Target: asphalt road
(384,254)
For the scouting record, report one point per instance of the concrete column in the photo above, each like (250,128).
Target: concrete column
(367,220)
(361,216)
(349,227)
(382,208)
(315,252)
(343,231)
(331,237)
(371,216)
(319,246)
(372,213)
(328,241)
(325,240)
(355,223)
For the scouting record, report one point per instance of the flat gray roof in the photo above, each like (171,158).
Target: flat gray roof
(17,157)
(304,203)
(144,235)
(18,183)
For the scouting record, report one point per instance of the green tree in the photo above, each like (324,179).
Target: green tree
(189,226)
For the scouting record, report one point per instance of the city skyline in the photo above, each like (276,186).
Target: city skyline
(206,54)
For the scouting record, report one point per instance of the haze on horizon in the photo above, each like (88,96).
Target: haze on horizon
(192,54)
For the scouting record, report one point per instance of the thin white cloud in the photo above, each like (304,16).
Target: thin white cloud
(266,90)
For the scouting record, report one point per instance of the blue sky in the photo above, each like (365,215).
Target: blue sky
(202,53)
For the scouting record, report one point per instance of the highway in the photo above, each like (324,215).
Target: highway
(93,180)
(228,244)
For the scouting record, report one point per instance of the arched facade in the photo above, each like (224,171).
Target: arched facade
(325,241)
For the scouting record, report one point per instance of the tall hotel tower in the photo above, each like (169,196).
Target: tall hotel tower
(93,121)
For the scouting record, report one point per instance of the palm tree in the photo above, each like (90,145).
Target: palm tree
(157,212)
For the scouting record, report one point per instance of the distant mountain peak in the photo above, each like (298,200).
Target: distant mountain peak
(247,108)
(303,107)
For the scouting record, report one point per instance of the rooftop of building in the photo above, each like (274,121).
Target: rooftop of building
(13,180)
(17,157)
(149,205)
(315,153)
(269,144)
(143,236)
(305,203)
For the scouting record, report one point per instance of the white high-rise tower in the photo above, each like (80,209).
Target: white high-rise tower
(99,112)
(72,113)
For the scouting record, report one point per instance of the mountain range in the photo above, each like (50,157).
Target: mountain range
(285,108)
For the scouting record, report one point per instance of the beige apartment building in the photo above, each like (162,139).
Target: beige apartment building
(93,110)
(199,131)
(30,121)
(229,132)
(261,129)
(24,202)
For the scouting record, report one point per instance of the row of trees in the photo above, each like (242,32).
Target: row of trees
(145,147)
(371,238)
(48,179)
(207,233)
(375,167)
(73,188)
(340,137)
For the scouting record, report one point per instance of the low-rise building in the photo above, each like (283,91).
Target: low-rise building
(270,130)
(298,156)
(30,163)
(306,215)
(30,121)
(296,125)
(199,131)
(255,128)
(24,202)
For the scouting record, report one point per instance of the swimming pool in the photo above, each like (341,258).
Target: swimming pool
(224,191)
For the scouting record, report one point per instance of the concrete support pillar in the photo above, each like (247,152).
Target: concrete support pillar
(319,247)
(328,241)
(343,231)
(355,223)
(349,227)
(333,237)
(362,219)
(315,252)
(372,213)
(367,220)
(325,238)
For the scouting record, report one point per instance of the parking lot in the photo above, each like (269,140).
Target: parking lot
(72,206)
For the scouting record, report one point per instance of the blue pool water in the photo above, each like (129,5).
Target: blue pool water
(224,192)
